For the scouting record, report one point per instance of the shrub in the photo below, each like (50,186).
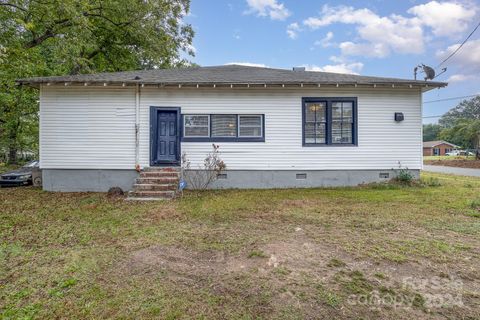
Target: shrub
(203,176)
(404,176)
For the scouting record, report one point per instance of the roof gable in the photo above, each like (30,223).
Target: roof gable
(431,144)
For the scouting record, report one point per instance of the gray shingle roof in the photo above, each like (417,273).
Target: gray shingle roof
(431,144)
(227,74)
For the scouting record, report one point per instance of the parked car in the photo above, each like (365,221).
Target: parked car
(19,177)
(454,153)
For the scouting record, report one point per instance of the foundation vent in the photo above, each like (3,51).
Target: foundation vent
(301,176)
(222,176)
(384,175)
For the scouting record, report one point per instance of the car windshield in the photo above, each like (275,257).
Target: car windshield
(31,164)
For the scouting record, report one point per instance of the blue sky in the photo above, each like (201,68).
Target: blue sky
(378,38)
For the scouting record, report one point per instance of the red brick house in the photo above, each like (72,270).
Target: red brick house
(437,148)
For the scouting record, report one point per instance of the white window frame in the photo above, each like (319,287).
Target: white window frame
(250,115)
(195,115)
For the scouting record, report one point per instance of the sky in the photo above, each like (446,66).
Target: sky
(371,37)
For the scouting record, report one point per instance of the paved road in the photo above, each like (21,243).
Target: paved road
(453,170)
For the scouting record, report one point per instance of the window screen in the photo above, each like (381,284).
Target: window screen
(250,126)
(224,125)
(196,126)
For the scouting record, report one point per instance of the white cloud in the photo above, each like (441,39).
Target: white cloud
(247,64)
(351,68)
(466,60)
(326,41)
(381,35)
(445,18)
(292,30)
(379,50)
(268,8)
(460,78)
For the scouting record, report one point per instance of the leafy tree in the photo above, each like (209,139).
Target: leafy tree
(80,36)
(467,109)
(431,132)
(465,132)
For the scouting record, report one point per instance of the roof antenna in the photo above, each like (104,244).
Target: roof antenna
(428,71)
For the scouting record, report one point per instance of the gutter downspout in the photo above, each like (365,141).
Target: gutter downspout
(137,127)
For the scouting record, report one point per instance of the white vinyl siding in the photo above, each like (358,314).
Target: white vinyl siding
(86,127)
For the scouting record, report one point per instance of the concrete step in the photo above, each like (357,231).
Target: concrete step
(161,169)
(159,174)
(132,198)
(152,194)
(156,180)
(155,187)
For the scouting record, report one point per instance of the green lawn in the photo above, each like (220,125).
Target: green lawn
(248,254)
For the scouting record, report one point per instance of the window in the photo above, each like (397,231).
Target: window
(315,122)
(329,121)
(342,122)
(223,127)
(196,126)
(436,151)
(250,125)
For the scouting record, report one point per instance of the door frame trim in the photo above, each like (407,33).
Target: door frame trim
(154,126)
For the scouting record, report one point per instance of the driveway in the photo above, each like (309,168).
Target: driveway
(453,170)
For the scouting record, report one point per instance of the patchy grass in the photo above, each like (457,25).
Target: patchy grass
(288,254)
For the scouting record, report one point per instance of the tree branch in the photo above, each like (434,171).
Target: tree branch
(6,4)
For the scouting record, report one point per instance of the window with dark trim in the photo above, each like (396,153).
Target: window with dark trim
(329,121)
(223,127)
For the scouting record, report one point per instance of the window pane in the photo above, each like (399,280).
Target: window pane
(310,112)
(320,133)
(336,132)
(224,125)
(252,121)
(196,120)
(310,132)
(336,111)
(250,126)
(196,132)
(250,132)
(347,133)
(315,111)
(196,126)
(347,111)
(321,114)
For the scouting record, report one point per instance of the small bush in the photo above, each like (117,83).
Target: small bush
(475,204)
(404,176)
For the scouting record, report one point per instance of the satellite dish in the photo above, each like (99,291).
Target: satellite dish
(428,71)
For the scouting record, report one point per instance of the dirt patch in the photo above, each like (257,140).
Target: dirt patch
(317,278)
(474,164)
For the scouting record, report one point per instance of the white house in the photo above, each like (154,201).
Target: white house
(275,127)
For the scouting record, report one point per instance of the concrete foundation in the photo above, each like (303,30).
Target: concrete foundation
(75,180)
(70,180)
(246,179)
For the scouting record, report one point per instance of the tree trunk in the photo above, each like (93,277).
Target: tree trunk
(12,155)
(12,144)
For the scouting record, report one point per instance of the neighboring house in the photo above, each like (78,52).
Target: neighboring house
(275,127)
(437,148)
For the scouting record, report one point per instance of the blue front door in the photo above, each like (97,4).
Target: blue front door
(165,144)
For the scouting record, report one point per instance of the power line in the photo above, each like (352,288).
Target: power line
(451,98)
(461,45)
